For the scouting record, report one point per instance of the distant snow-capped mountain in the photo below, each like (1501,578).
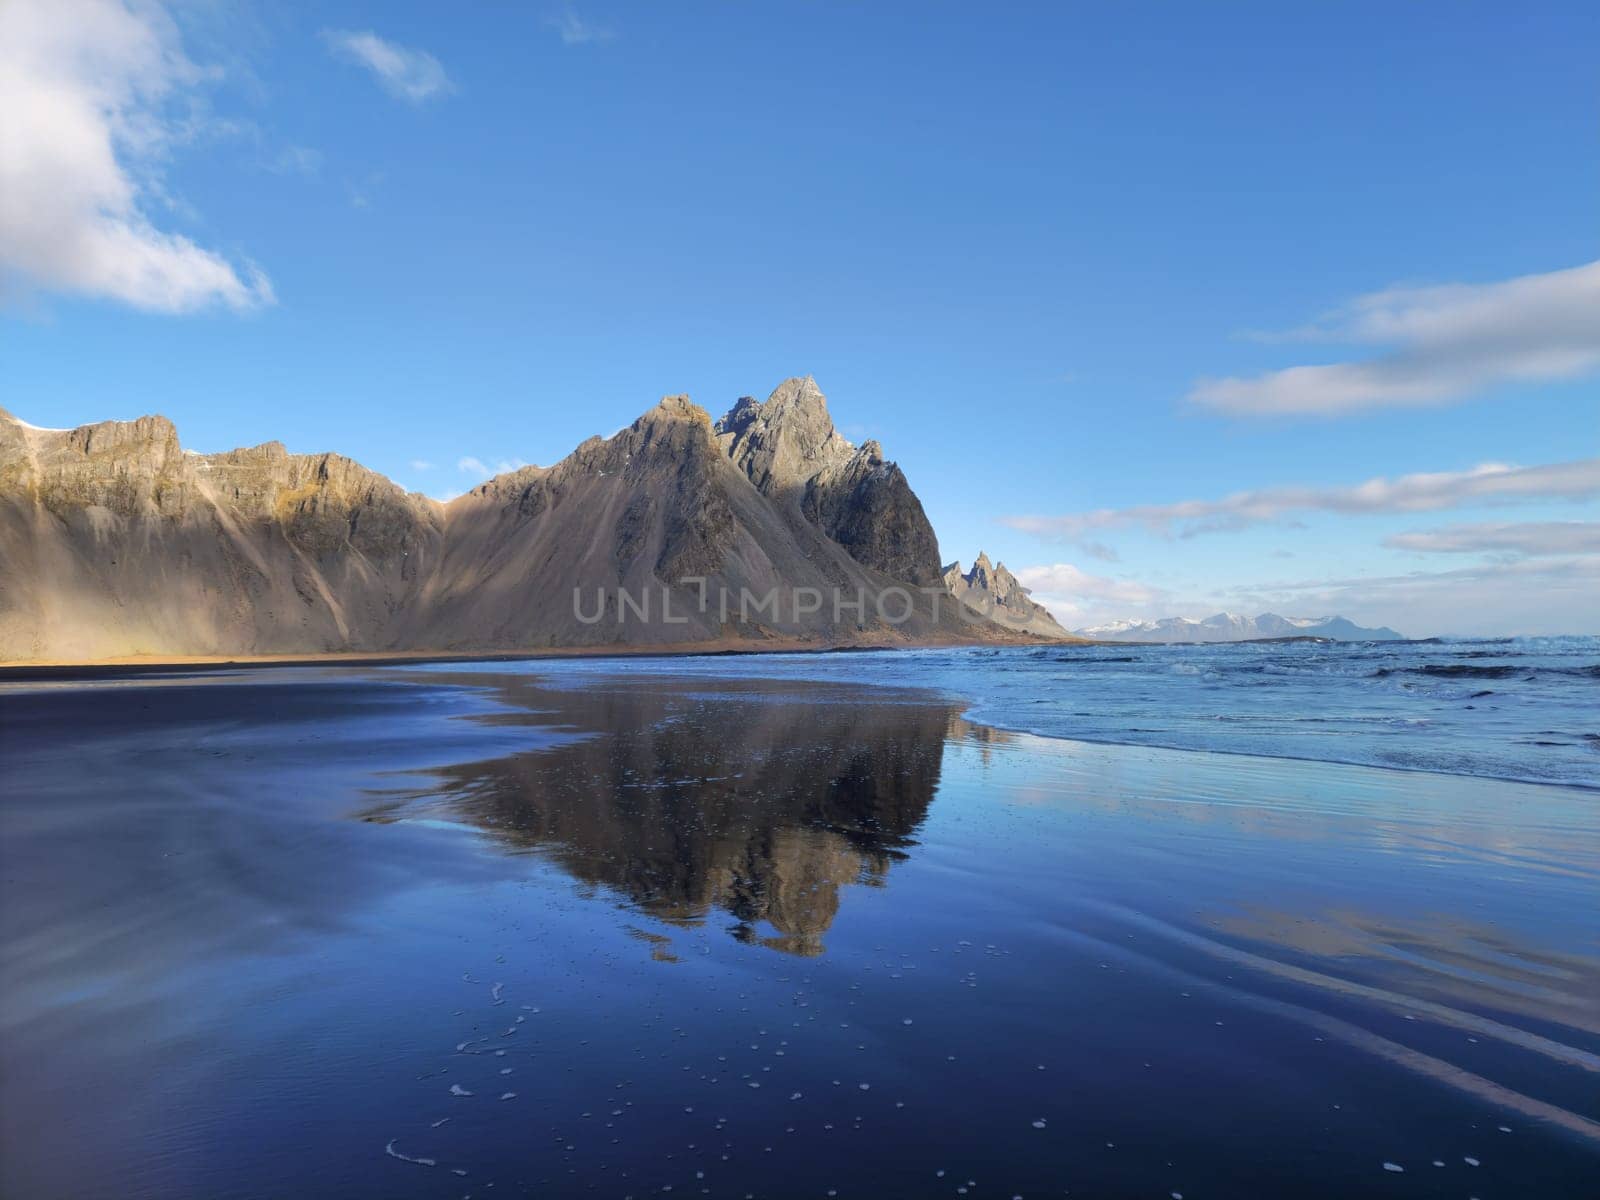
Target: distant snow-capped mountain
(1231,627)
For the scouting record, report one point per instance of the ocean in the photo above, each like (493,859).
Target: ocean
(1502,708)
(1083,921)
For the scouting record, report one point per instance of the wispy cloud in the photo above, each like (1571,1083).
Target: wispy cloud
(1445,343)
(574,30)
(360,191)
(1490,483)
(412,75)
(421,464)
(1521,539)
(470,465)
(294,160)
(96,95)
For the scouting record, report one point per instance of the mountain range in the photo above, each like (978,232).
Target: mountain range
(116,541)
(1229,627)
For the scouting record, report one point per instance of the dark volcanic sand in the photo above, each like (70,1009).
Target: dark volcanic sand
(758,938)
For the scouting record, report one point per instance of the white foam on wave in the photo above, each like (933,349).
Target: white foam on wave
(421,1162)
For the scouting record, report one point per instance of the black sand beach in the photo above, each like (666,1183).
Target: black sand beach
(396,933)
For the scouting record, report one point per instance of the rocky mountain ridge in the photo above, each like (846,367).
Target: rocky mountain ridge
(116,541)
(995,593)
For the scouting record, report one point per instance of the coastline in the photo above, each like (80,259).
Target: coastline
(22,670)
(1372,716)
(1037,670)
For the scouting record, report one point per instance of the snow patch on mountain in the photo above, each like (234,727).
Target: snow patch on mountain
(1232,627)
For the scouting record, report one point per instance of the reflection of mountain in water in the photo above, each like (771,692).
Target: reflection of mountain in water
(758,800)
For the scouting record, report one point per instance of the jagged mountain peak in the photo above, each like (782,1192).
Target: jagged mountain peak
(674,408)
(995,592)
(797,399)
(991,575)
(789,449)
(745,410)
(798,393)
(673,426)
(784,441)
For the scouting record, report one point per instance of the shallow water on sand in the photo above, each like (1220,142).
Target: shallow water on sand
(396,933)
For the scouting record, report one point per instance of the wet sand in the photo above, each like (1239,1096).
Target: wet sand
(400,933)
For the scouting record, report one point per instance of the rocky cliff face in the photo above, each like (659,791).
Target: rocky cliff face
(790,450)
(113,541)
(116,541)
(993,592)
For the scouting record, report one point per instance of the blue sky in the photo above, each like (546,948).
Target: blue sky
(1019,245)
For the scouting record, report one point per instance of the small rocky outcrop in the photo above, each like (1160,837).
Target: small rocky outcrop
(995,593)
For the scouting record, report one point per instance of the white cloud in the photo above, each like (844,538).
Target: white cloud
(1076,598)
(1489,483)
(421,464)
(413,75)
(1445,343)
(1525,539)
(95,95)
(575,31)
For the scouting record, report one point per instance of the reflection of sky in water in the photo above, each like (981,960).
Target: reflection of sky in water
(257,927)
